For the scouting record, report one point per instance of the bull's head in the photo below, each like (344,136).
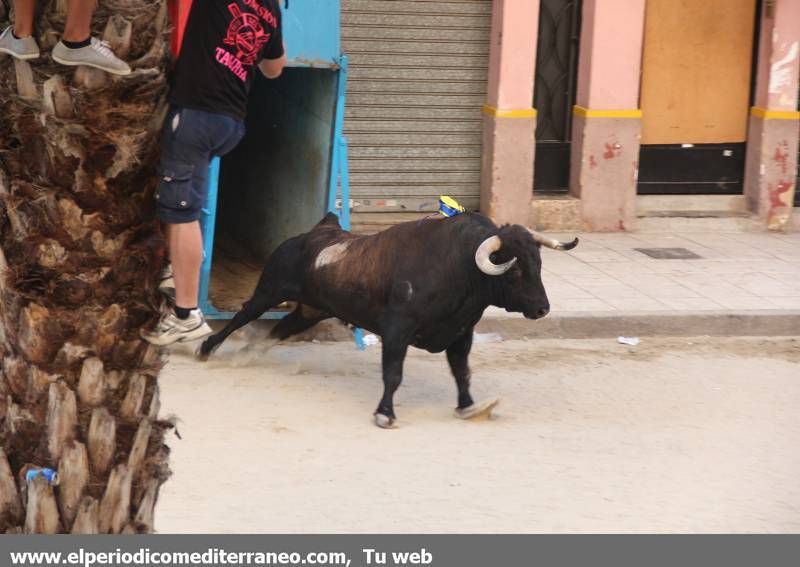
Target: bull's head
(514,256)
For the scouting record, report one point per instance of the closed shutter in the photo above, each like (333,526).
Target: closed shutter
(417,82)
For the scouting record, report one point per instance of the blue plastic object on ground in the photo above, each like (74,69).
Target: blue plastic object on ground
(49,475)
(358,335)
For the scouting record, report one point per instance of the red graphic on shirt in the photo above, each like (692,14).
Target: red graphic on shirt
(246,34)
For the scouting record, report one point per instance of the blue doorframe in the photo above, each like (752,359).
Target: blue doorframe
(338,198)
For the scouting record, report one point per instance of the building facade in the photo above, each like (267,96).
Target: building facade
(562,113)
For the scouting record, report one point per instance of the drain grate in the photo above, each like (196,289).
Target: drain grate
(669,253)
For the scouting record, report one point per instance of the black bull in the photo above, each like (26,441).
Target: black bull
(424,284)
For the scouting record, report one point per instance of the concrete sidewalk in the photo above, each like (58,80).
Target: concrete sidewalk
(741,283)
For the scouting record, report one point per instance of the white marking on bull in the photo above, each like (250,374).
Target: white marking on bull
(331,254)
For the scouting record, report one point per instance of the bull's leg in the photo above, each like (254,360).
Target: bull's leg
(457,357)
(251,311)
(299,320)
(394,354)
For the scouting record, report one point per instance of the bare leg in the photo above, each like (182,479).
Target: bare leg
(23,17)
(186,254)
(79,20)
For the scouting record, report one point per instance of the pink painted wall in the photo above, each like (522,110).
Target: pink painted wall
(611,54)
(509,142)
(513,53)
(779,57)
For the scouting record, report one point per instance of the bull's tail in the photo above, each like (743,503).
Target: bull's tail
(330,219)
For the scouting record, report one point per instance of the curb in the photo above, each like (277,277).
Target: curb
(600,325)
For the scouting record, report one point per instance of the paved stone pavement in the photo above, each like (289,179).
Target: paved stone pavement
(735,271)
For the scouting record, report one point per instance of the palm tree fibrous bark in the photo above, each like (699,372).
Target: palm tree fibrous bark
(79,261)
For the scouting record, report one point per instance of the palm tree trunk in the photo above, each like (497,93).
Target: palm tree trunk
(79,258)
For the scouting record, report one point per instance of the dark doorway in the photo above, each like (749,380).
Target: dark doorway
(554,92)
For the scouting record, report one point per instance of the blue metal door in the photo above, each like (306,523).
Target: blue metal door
(301,113)
(311,30)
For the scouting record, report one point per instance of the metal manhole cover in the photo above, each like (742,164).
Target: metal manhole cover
(669,253)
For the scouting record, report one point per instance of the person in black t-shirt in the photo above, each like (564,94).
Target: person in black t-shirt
(225,42)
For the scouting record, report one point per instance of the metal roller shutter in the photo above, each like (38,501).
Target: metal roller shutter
(418,76)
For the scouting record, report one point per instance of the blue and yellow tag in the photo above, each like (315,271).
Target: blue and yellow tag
(449,207)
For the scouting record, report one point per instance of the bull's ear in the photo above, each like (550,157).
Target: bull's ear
(515,240)
(331,219)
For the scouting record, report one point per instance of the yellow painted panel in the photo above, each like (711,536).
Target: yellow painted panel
(696,71)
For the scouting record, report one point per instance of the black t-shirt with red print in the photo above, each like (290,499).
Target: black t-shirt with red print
(222,46)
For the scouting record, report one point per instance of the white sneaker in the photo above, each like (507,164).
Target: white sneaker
(167,283)
(24,48)
(97,54)
(172,330)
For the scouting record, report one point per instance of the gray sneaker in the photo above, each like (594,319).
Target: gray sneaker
(172,330)
(98,54)
(24,48)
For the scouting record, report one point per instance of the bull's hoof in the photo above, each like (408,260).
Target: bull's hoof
(203,352)
(483,409)
(384,421)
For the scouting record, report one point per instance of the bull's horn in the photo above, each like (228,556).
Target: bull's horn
(484,262)
(551,242)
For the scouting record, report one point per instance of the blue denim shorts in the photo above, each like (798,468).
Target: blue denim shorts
(189,139)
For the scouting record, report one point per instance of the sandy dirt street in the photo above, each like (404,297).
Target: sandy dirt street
(675,435)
